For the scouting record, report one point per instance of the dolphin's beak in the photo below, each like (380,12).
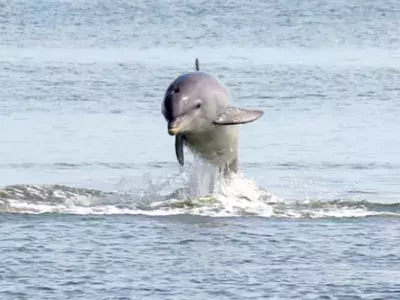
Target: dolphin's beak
(173,127)
(173,131)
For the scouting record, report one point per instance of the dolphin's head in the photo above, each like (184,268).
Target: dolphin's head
(192,102)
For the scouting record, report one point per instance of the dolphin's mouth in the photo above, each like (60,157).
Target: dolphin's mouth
(173,127)
(173,131)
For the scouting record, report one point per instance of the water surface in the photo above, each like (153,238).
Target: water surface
(87,167)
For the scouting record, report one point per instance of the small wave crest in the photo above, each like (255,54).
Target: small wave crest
(238,197)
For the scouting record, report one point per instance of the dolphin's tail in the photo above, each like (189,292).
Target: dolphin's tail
(197,65)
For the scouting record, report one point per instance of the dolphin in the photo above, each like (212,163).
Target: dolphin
(197,108)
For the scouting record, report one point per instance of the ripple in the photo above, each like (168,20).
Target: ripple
(325,166)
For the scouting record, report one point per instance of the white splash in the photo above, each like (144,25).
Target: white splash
(238,197)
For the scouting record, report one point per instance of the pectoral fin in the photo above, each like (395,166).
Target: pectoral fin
(235,115)
(179,141)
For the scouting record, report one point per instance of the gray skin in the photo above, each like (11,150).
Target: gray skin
(197,108)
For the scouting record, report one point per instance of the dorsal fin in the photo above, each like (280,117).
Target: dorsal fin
(197,64)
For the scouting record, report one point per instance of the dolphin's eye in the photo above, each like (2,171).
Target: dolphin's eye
(198,105)
(176,90)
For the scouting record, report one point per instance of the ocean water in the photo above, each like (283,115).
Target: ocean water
(94,205)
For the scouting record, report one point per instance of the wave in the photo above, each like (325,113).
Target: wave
(81,165)
(237,198)
(162,164)
(172,56)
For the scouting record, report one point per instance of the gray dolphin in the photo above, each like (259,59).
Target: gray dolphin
(197,108)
